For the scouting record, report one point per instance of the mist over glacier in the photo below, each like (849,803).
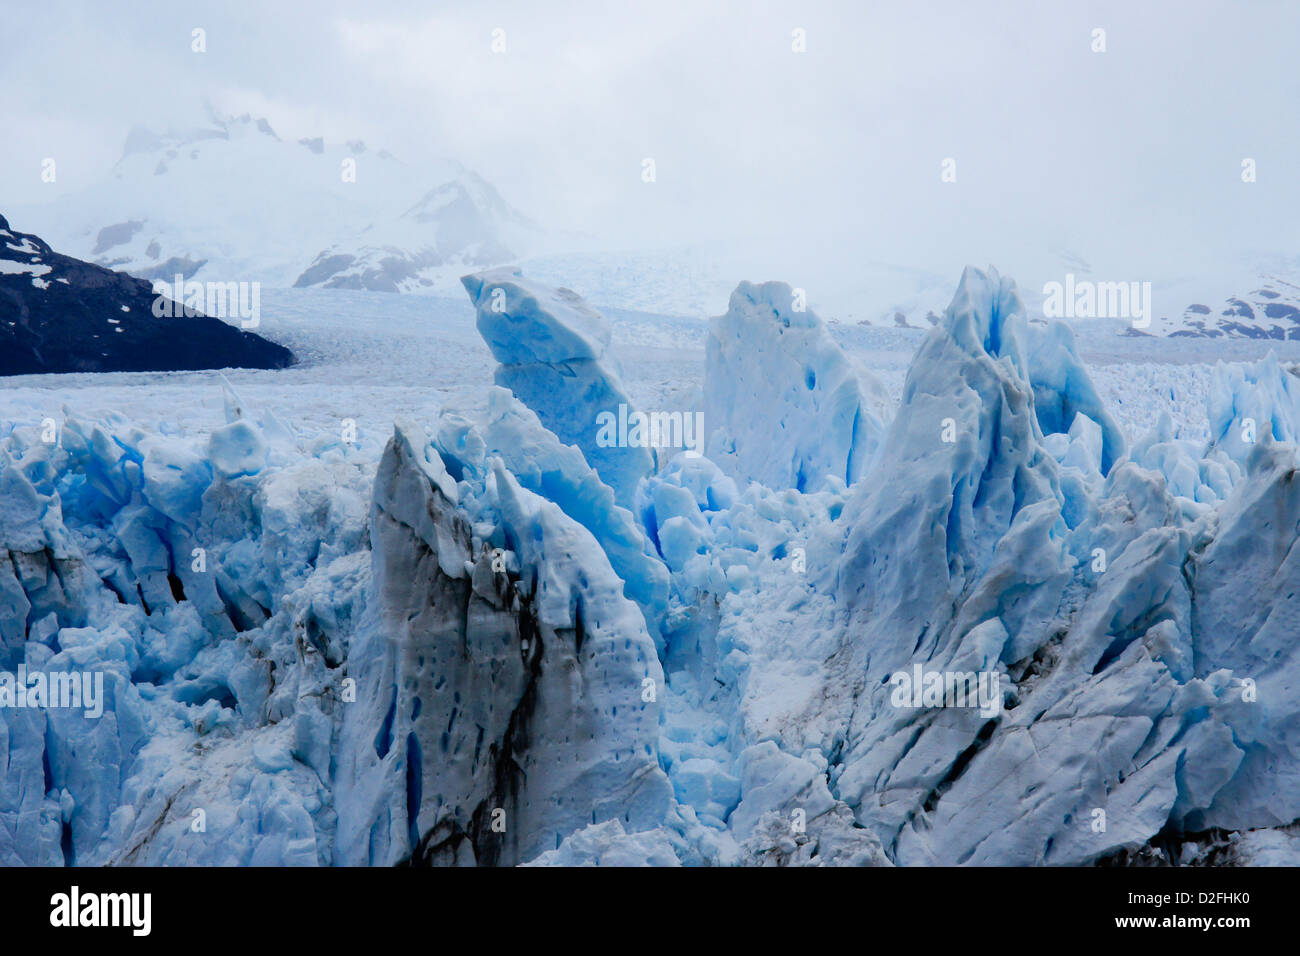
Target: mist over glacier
(820,168)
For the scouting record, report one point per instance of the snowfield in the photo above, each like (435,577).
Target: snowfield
(375,356)
(395,604)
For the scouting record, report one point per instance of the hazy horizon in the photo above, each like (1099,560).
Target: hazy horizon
(1130,158)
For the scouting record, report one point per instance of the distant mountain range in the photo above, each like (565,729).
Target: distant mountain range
(460,224)
(232,201)
(1270,310)
(60,314)
(1248,298)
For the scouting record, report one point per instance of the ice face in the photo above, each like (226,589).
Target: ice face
(1246,401)
(510,691)
(1064,394)
(783,406)
(552,349)
(1088,630)
(544,465)
(527,323)
(212,603)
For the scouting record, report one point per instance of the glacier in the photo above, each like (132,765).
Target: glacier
(552,348)
(489,640)
(783,404)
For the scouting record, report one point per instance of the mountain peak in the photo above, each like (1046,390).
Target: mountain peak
(229,199)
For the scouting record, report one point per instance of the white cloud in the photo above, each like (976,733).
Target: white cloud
(1130,156)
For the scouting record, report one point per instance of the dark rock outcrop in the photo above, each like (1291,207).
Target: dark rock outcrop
(60,314)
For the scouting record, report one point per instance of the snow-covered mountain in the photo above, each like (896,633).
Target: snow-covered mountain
(461,223)
(1270,309)
(59,314)
(231,200)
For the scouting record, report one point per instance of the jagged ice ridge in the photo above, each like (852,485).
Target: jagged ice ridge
(501,644)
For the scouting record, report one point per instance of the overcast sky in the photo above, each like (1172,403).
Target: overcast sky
(1128,156)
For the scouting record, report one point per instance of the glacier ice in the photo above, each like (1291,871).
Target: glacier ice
(485,647)
(544,465)
(1245,400)
(783,405)
(136,558)
(608,844)
(1109,683)
(508,701)
(553,349)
